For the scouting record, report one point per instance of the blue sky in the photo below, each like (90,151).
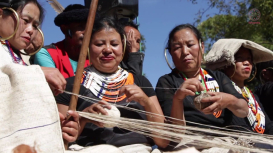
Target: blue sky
(156,17)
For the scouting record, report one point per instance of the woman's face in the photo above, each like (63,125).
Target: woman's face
(106,50)
(29,21)
(185,51)
(243,62)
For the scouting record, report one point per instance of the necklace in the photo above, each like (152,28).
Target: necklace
(106,86)
(15,59)
(255,116)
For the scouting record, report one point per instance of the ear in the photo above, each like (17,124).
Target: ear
(1,12)
(64,29)
(203,48)
(265,74)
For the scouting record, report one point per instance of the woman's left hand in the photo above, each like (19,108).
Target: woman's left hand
(217,99)
(134,93)
(70,128)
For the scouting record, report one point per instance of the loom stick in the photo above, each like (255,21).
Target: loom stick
(82,57)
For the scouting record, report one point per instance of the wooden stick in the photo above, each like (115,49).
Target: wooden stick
(82,57)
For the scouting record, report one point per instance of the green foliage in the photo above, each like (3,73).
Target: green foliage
(235,20)
(143,41)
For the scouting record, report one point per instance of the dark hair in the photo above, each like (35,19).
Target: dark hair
(261,66)
(130,24)
(180,27)
(72,13)
(20,4)
(107,22)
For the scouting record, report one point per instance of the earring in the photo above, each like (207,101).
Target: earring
(166,58)
(233,72)
(255,72)
(17,25)
(200,50)
(124,45)
(43,39)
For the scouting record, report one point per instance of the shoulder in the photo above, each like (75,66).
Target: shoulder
(216,74)
(140,79)
(51,46)
(171,80)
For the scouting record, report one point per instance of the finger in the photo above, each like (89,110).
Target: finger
(122,90)
(210,109)
(62,117)
(100,109)
(210,99)
(131,98)
(68,137)
(74,114)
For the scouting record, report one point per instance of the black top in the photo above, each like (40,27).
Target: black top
(265,94)
(92,134)
(174,80)
(134,63)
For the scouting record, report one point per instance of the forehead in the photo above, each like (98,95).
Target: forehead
(31,10)
(184,34)
(244,51)
(106,33)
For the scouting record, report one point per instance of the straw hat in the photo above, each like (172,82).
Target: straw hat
(223,51)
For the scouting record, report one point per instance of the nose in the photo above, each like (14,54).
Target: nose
(185,50)
(107,49)
(246,62)
(30,29)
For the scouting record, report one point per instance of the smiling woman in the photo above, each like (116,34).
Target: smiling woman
(106,81)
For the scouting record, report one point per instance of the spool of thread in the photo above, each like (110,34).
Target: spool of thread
(197,101)
(113,112)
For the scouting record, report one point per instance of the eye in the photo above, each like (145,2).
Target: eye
(115,44)
(138,41)
(98,44)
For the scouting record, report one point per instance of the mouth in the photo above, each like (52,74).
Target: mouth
(187,60)
(247,69)
(107,58)
(27,39)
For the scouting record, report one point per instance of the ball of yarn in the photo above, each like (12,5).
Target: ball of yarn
(113,112)
(197,101)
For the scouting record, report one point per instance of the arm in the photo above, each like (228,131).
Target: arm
(134,63)
(43,58)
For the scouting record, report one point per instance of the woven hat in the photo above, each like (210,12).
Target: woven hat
(223,51)
(72,13)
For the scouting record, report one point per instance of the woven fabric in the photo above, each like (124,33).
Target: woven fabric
(28,112)
(223,51)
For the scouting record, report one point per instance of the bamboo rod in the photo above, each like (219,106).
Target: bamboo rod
(82,57)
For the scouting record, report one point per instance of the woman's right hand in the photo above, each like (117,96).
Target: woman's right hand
(97,108)
(189,87)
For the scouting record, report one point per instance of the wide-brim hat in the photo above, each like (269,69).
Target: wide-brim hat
(72,16)
(223,51)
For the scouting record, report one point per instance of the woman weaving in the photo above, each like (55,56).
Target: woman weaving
(176,91)
(236,58)
(105,81)
(19,24)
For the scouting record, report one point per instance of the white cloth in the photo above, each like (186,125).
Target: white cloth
(28,111)
(5,55)
(223,51)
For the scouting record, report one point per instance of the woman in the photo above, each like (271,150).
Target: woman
(19,20)
(104,80)
(176,90)
(236,58)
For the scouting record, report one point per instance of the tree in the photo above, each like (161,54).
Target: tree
(236,19)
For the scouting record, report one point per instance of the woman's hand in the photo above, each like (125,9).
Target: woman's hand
(222,100)
(55,79)
(134,93)
(97,109)
(132,42)
(70,128)
(189,87)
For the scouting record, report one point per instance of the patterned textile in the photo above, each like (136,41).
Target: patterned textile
(255,116)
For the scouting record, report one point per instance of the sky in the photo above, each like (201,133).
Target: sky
(156,17)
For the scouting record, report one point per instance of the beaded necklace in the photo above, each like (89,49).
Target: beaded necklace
(208,82)
(255,116)
(106,86)
(15,59)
